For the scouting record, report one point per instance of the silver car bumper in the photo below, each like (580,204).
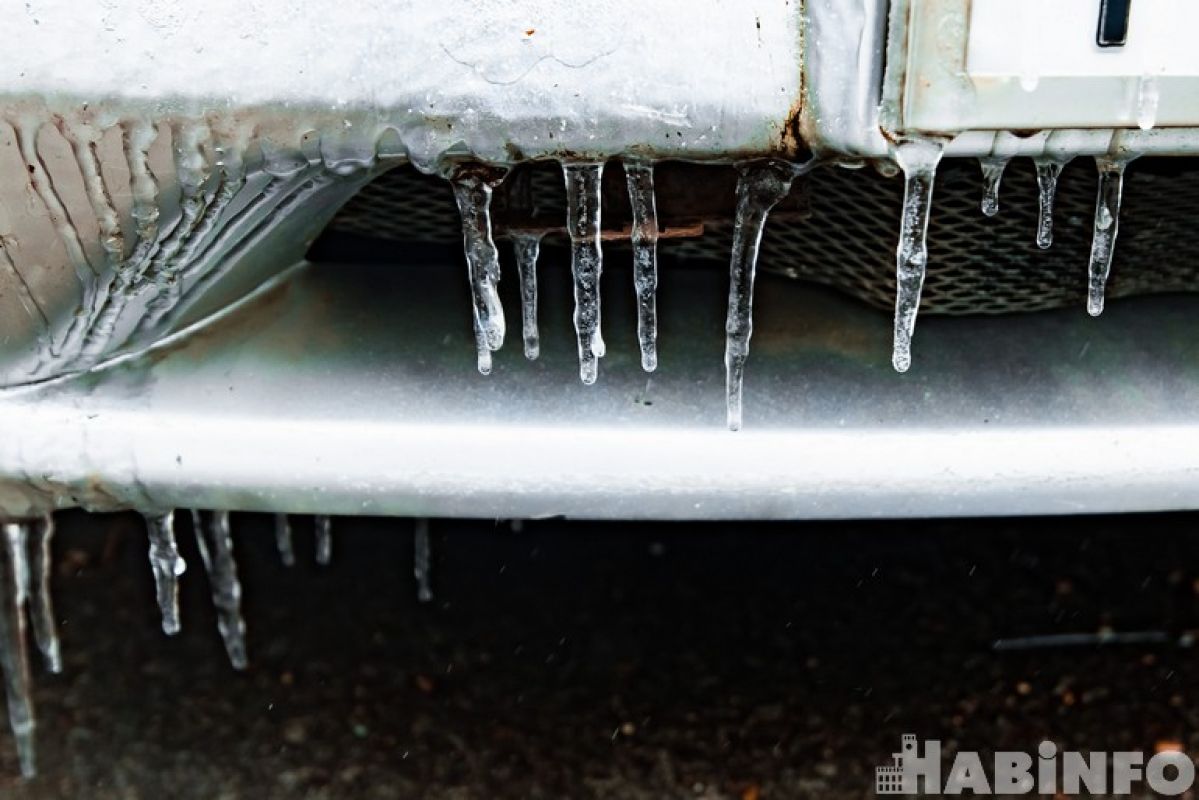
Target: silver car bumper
(215,146)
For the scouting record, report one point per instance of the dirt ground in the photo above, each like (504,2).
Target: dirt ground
(611,660)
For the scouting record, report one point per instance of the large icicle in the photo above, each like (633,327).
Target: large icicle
(1107,224)
(640,180)
(992,169)
(527,247)
(45,630)
(216,551)
(287,553)
(422,560)
(14,651)
(167,565)
(761,185)
(323,526)
(473,185)
(918,159)
(1048,171)
(583,185)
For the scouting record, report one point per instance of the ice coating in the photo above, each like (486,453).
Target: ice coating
(918,159)
(84,140)
(526,248)
(1107,225)
(463,61)
(14,649)
(586,261)
(167,565)
(992,169)
(323,527)
(422,560)
(41,603)
(760,186)
(1048,171)
(136,139)
(216,551)
(217,192)
(140,257)
(283,540)
(241,232)
(137,136)
(473,185)
(192,172)
(68,232)
(33,309)
(640,180)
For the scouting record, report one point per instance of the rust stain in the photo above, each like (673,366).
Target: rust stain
(791,141)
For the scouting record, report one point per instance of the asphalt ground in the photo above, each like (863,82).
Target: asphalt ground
(572,659)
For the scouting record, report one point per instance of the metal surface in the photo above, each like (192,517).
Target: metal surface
(160,160)
(155,157)
(348,390)
(233,99)
(502,81)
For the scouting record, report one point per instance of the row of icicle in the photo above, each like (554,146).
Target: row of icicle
(25,592)
(761,184)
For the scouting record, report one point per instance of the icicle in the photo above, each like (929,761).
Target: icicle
(473,185)
(586,260)
(640,180)
(918,159)
(14,651)
(84,140)
(45,631)
(761,185)
(527,248)
(167,566)
(422,559)
(287,553)
(992,175)
(137,139)
(219,563)
(324,539)
(1048,172)
(1147,102)
(1107,224)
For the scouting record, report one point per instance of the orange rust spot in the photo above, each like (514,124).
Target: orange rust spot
(790,137)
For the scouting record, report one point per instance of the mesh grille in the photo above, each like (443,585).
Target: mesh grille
(846,237)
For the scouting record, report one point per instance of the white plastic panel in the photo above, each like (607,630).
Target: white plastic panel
(1031,65)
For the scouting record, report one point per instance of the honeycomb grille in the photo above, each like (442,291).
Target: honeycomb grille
(846,237)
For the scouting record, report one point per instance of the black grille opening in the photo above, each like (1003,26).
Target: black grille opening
(839,229)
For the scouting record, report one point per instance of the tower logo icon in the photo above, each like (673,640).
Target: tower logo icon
(893,778)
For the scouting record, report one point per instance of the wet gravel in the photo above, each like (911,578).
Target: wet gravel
(596,660)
